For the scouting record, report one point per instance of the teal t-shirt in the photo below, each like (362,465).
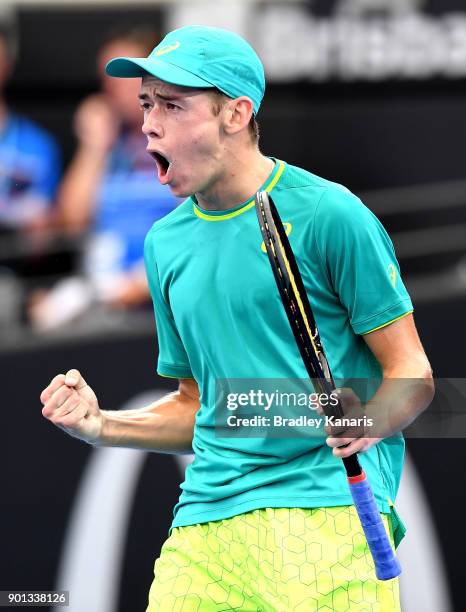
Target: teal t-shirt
(219,316)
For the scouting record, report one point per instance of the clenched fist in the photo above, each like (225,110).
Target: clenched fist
(72,405)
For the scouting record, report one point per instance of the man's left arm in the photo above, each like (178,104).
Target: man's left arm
(406,390)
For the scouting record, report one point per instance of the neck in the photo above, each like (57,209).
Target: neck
(244,174)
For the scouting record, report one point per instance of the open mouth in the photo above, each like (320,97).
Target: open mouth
(162,164)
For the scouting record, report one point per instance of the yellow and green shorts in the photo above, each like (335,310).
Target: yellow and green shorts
(272,560)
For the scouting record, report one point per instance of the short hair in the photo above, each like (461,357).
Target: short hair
(218,101)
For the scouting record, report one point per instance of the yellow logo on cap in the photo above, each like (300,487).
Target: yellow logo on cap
(288,227)
(168,48)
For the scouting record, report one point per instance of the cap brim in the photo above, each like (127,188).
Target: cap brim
(127,67)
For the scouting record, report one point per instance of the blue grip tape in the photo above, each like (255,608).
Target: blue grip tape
(386,564)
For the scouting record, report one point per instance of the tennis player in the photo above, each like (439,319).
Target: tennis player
(262,523)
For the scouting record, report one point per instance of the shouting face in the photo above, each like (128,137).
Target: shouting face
(184,136)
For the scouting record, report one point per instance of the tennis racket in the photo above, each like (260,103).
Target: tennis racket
(302,322)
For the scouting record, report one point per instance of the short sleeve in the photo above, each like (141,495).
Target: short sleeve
(360,261)
(173,361)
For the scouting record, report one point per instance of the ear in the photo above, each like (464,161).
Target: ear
(236,114)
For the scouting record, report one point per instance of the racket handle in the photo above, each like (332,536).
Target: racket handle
(386,564)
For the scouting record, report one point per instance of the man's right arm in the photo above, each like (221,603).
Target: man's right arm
(164,426)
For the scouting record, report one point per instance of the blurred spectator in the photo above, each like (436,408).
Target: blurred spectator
(29,161)
(111,191)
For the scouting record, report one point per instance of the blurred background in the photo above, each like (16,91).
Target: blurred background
(368,93)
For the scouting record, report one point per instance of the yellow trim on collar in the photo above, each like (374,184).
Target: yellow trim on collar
(247,206)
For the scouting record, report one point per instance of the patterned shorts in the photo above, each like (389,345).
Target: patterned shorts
(272,560)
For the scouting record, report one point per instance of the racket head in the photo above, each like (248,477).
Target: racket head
(293,293)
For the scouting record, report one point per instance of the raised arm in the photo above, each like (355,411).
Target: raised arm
(164,426)
(96,129)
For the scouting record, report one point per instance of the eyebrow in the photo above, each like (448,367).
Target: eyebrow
(158,95)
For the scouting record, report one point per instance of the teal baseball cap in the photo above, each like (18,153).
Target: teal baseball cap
(200,57)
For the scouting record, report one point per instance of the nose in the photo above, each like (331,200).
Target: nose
(152,127)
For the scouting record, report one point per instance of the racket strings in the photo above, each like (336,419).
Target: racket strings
(308,340)
(297,322)
(295,300)
(292,295)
